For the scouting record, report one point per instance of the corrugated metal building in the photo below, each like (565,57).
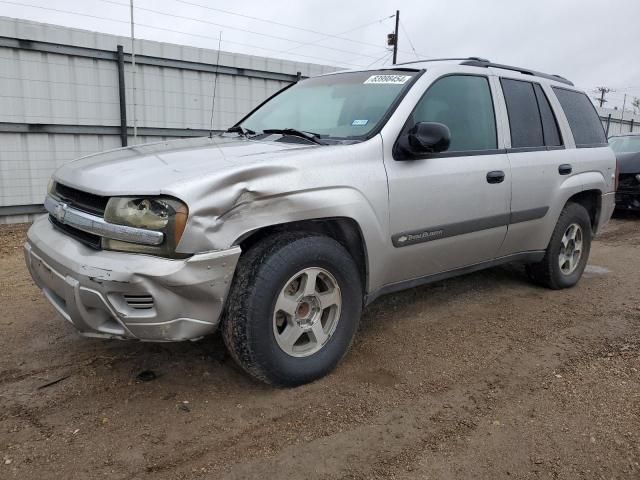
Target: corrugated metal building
(60,98)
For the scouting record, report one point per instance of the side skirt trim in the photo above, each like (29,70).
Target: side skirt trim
(411,237)
(524,257)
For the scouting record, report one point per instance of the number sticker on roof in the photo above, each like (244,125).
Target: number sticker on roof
(388,79)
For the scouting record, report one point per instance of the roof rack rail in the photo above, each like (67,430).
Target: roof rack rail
(485,63)
(444,60)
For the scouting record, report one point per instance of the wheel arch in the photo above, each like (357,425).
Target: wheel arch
(344,230)
(591,200)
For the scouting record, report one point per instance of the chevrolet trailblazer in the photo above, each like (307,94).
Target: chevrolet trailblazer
(336,190)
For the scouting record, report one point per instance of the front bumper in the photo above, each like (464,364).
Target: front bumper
(122,295)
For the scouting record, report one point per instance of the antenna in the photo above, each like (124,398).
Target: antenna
(215,86)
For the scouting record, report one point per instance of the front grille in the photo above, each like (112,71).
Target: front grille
(88,239)
(87,202)
(139,302)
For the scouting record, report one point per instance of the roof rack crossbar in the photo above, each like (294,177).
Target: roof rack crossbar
(486,64)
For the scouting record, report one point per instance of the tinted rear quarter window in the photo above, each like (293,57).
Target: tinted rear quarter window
(583,119)
(524,116)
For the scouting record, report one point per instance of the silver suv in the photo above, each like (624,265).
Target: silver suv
(334,191)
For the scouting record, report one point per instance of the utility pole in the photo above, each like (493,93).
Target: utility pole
(603,91)
(395,38)
(133,74)
(624,104)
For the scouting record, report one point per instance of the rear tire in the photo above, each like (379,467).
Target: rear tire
(567,254)
(293,309)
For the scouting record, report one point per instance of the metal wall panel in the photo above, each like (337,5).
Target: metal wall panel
(28,159)
(40,87)
(173,98)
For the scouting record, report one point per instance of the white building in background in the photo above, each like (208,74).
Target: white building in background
(60,99)
(620,122)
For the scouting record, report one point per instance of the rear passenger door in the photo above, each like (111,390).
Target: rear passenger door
(539,163)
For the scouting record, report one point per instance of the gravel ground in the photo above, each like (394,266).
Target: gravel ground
(482,377)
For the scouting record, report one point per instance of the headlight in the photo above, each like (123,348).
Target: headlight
(162,214)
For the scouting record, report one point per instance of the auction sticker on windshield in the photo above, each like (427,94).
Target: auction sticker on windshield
(388,79)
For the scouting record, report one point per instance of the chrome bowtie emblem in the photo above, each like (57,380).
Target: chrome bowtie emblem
(60,212)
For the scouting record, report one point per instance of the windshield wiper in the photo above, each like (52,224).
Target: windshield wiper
(241,130)
(312,137)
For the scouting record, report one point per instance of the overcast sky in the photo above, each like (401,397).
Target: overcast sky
(591,42)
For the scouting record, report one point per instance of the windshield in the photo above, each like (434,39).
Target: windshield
(343,105)
(628,144)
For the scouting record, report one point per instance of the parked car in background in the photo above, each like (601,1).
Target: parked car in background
(627,150)
(338,189)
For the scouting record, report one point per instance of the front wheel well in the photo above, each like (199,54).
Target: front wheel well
(591,200)
(345,231)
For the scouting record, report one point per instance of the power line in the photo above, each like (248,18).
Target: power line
(406,34)
(295,27)
(384,58)
(63,11)
(248,45)
(244,30)
(325,36)
(153,27)
(617,89)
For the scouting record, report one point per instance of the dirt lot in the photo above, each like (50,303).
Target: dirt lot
(480,377)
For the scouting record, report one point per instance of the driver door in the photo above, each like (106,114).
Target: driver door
(450,210)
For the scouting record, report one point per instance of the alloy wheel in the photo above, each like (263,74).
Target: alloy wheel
(307,312)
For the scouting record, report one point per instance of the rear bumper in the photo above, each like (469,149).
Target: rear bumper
(122,295)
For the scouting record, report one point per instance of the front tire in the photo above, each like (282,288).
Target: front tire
(568,251)
(293,309)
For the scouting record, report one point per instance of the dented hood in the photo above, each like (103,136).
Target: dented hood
(167,167)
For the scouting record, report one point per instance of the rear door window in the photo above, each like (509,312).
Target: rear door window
(524,116)
(582,117)
(549,124)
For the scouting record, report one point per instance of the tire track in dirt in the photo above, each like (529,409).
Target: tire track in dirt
(452,380)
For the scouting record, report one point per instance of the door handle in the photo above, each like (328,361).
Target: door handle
(565,169)
(497,176)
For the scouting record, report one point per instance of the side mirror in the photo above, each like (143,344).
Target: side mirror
(424,138)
